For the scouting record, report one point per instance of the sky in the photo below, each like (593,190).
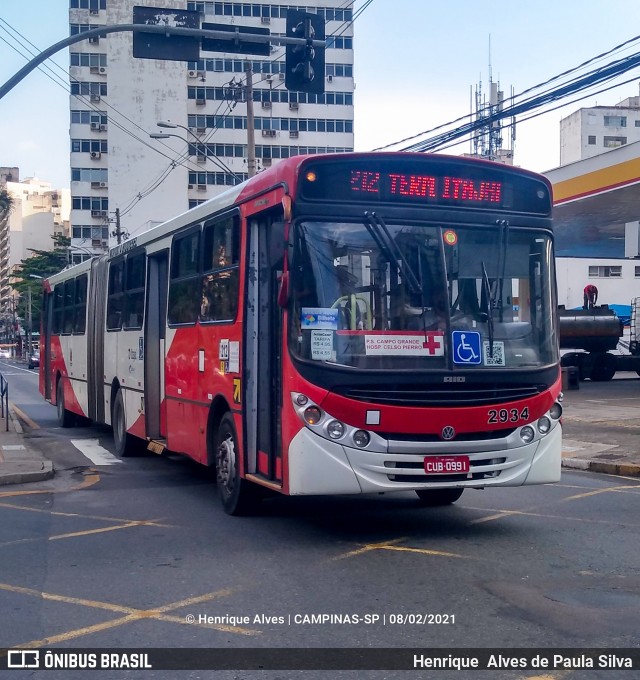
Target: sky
(417,63)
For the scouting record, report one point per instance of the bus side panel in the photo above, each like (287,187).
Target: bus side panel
(185,431)
(61,368)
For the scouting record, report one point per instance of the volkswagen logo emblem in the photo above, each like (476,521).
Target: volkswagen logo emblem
(448,432)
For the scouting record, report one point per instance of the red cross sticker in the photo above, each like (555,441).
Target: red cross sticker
(432,343)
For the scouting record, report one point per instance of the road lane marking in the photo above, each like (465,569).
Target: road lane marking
(97,454)
(131,614)
(392,545)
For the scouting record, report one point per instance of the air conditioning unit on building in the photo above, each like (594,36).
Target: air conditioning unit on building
(95,98)
(103,127)
(94,40)
(103,185)
(268,133)
(281,76)
(93,69)
(266,20)
(201,159)
(95,154)
(266,105)
(294,106)
(329,79)
(102,70)
(201,102)
(98,213)
(202,187)
(95,126)
(294,134)
(266,162)
(201,130)
(95,185)
(94,11)
(191,73)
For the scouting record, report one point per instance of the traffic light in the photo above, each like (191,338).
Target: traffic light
(304,63)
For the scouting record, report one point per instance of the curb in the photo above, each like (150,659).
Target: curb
(43,468)
(620,469)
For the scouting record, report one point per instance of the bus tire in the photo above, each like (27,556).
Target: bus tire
(125,444)
(238,496)
(432,498)
(65,417)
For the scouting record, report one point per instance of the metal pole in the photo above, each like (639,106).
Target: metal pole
(251,132)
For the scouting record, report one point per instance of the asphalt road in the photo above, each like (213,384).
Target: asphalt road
(123,555)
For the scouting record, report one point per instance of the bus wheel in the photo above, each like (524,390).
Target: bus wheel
(65,418)
(238,496)
(434,497)
(124,443)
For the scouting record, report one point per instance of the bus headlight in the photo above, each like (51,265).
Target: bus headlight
(555,411)
(335,429)
(544,425)
(329,427)
(527,433)
(361,438)
(312,415)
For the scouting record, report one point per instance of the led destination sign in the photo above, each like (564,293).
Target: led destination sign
(433,182)
(428,186)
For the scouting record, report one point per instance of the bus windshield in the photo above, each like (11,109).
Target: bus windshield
(387,295)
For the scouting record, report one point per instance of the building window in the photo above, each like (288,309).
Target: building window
(605,272)
(636,123)
(592,139)
(614,142)
(615,121)
(637,272)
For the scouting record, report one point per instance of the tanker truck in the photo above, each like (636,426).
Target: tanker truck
(596,338)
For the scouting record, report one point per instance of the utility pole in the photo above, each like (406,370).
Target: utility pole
(251,132)
(118,230)
(29,321)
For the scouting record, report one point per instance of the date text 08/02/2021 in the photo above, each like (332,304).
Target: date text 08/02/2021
(417,619)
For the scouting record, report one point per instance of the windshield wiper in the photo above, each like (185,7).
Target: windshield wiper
(502,264)
(380,232)
(488,298)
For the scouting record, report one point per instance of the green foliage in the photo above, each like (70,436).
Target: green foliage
(29,273)
(7,204)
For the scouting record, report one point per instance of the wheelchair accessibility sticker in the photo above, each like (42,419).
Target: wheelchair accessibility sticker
(466,347)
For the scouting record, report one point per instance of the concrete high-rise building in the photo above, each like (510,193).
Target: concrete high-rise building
(39,212)
(121,178)
(589,132)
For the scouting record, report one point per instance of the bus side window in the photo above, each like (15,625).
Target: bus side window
(184,285)
(58,308)
(134,287)
(221,262)
(115,300)
(80,306)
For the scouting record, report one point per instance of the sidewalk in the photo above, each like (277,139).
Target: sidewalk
(601,424)
(19,462)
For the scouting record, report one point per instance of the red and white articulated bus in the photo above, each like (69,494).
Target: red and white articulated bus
(337,324)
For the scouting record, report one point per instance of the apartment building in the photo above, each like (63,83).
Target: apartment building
(123,180)
(589,132)
(39,212)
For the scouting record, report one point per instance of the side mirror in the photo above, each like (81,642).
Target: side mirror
(277,245)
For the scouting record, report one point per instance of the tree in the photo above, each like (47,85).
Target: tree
(7,204)
(29,273)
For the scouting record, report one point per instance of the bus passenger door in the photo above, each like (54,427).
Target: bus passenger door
(154,343)
(262,351)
